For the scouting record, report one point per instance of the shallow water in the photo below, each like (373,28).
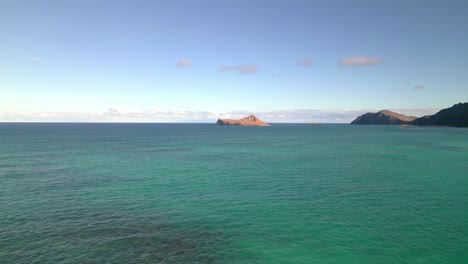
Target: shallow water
(198,193)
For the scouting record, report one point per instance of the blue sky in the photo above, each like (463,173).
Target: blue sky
(199,60)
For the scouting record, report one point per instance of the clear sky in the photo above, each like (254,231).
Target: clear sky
(294,60)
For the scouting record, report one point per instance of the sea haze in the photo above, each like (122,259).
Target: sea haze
(199,193)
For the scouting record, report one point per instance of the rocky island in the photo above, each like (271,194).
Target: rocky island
(251,120)
(383,117)
(456,116)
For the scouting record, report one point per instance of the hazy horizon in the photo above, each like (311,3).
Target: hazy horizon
(339,116)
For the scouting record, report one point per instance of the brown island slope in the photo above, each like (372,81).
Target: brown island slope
(456,116)
(251,120)
(383,117)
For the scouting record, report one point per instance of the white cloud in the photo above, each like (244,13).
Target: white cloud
(360,61)
(36,59)
(418,87)
(156,114)
(241,69)
(184,63)
(305,63)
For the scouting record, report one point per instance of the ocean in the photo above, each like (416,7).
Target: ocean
(200,193)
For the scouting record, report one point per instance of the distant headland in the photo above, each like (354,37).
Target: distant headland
(456,116)
(251,120)
(383,117)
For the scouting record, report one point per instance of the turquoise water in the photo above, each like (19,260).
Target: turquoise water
(198,193)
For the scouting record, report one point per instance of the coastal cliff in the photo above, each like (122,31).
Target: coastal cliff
(383,117)
(247,121)
(456,116)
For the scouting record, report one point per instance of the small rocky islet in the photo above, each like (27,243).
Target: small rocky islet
(251,120)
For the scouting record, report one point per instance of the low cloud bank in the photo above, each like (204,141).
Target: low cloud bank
(161,115)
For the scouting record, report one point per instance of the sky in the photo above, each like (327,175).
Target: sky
(196,61)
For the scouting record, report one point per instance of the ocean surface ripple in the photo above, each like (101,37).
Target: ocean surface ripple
(198,193)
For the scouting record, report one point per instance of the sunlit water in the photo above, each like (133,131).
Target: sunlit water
(198,193)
